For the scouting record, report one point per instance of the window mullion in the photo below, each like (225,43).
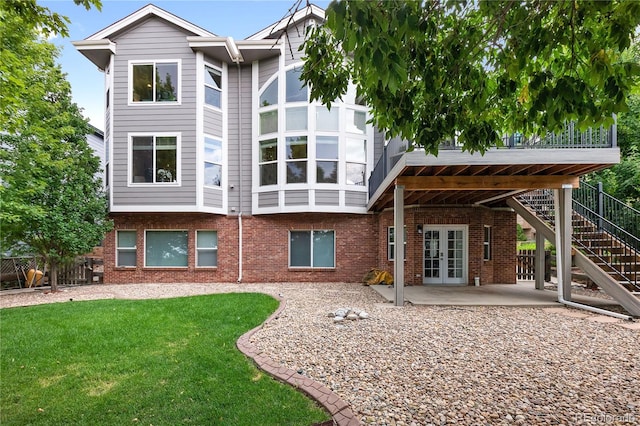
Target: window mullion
(154,162)
(311,251)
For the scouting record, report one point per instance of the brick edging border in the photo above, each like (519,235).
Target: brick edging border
(339,409)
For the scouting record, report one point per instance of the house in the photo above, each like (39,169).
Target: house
(219,169)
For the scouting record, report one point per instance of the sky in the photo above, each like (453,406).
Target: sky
(238,19)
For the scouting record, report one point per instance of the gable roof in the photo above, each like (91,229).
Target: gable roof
(273,29)
(143,13)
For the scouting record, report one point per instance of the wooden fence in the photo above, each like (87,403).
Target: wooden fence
(526,265)
(14,272)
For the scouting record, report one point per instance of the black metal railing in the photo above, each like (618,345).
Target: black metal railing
(609,213)
(614,249)
(570,138)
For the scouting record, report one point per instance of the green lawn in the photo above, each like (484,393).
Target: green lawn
(144,362)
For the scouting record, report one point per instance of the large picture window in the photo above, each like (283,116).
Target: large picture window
(126,248)
(154,159)
(312,249)
(303,142)
(154,82)
(206,248)
(212,162)
(212,87)
(166,249)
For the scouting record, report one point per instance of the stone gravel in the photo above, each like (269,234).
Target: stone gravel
(426,365)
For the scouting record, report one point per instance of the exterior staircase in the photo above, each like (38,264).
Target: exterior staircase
(605,238)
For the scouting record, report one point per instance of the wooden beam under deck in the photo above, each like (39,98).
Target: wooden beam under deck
(477,183)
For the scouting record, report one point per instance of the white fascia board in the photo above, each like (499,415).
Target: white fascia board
(102,44)
(143,13)
(202,43)
(311,10)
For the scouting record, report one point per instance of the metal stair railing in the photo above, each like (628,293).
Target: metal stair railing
(609,213)
(613,248)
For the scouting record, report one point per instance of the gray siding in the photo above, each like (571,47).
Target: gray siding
(268,199)
(378,145)
(239,139)
(212,122)
(212,197)
(107,133)
(353,198)
(327,198)
(267,68)
(295,37)
(154,39)
(296,198)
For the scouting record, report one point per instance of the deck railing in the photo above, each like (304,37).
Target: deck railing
(570,138)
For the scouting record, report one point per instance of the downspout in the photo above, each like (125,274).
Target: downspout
(560,266)
(237,61)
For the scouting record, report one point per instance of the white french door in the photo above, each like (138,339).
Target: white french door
(445,254)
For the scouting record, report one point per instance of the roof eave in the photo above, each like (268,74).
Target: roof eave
(97,51)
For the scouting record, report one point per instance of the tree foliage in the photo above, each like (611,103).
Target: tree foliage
(51,199)
(19,46)
(435,70)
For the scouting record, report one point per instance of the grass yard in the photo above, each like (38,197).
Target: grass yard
(141,362)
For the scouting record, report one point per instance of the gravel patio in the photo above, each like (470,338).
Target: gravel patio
(423,365)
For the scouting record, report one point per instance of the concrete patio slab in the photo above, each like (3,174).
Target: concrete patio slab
(522,294)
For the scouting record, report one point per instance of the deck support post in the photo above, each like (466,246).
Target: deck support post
(562,201)
(539,266)
(398,264)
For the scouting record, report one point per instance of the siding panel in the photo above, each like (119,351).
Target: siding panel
(327,198)
(239,138)
(296,198)
(267,68)
(212,197)
(353,198)
(268,199)
(212,122)
(154,39)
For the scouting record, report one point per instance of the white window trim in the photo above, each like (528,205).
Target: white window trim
(204,84)
(205,249)
(133,249)
(153,62)
(221,164)
(178,137)
(311,254)
(164,230)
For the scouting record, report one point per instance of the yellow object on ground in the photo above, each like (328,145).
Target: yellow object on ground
(34,278)
(377,276)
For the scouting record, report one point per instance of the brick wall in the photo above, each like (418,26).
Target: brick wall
(360,244)
(265,248)
(499,270)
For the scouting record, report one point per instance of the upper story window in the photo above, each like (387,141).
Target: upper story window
(212,87)
(212,162)
(296,89)
(299,142)
(155,81)
(154,159)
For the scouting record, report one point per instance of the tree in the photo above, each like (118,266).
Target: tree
(437,70)
(19,19)
(51,199)
(623,180)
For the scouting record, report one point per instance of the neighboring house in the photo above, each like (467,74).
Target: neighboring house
(95,139)
(219,169)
